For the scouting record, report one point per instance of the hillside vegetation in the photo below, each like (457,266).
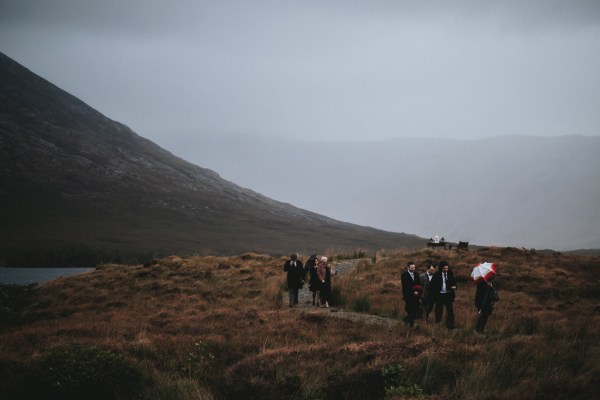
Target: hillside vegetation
(220,328)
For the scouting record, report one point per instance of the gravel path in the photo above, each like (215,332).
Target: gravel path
(305,301)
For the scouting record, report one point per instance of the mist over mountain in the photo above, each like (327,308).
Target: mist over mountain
(509,191)
(77,187)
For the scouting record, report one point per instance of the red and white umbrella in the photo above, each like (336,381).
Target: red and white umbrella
(483,272)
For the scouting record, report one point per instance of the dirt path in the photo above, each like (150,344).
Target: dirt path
(305,301)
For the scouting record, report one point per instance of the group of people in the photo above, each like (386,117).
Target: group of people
(432,291)
(319,282)
(435,290)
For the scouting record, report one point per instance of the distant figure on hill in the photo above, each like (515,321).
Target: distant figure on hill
(324,272)
(411,292)
(442,292)
(295,278)
(314,284)
(484,301)
(425,281)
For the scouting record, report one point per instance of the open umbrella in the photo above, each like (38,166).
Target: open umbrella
(483,272)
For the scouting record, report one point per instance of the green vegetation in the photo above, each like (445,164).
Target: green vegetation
(398,384)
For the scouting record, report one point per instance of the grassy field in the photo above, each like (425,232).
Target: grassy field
(220,328)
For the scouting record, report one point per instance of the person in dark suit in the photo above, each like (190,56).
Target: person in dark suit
(484,301)
(295,278)
(442,292)
(425,280)
(411,291)
(314,284)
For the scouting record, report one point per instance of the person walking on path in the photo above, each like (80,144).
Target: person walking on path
(442,292)
(295,278)
(484,301)
(314,284)
(425,281)
(324,272)
(411,293)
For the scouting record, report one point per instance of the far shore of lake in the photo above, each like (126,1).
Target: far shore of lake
(37,275)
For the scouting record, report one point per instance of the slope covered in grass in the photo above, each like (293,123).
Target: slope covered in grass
(216,327)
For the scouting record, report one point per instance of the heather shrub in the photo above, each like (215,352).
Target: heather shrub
(176,388)
(398,383)
(15,300)
(362,304)
(337,296)
(358,384)
(435,373)
(83,372)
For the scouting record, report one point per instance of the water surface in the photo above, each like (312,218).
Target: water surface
(26,275)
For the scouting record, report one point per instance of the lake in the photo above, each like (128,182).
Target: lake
(25,276)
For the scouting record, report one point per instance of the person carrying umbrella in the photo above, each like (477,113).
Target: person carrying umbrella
(485,296)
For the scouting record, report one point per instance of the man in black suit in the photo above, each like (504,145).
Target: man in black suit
(410,279)
(295,277)
(425,280)
(442,292)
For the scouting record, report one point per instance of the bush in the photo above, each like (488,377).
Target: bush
(83,372)
(434,373)
(337,298)
(360,384)
(362,304)
(15,303)
(397,383)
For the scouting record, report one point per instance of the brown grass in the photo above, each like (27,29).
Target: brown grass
(542,337)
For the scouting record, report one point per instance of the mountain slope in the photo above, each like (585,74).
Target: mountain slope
(79,187)
(539,192)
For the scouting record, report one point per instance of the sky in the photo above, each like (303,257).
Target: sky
(319,70)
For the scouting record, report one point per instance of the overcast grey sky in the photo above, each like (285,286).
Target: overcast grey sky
(322,70)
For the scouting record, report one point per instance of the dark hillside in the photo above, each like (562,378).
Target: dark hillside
(77,188)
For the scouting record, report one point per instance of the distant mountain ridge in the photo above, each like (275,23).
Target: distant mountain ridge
(534,192)
(77,187)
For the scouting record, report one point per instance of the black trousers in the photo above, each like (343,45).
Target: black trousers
(412,308)
(482,319)
(428,308)
(445,300)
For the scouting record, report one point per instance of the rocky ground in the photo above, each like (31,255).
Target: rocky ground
(305,301)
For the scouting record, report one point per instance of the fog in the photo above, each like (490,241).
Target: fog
(515,191)
(302,79)
(320,70)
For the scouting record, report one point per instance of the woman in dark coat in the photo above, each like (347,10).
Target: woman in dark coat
(484,301)
(324,272)
(314,284)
